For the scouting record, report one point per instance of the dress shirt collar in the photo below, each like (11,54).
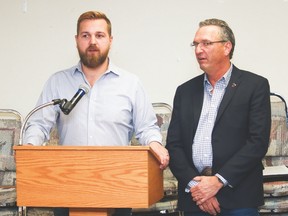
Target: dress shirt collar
(111,69)
(225,78)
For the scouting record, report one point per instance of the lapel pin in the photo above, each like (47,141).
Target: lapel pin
(233,85)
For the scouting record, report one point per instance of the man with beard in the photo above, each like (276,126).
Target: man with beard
(115,108)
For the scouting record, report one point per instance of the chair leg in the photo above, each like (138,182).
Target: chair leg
(22,211)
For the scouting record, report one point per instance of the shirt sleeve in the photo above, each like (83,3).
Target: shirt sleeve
(144,117)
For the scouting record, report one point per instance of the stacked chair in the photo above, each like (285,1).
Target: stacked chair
(276,186)
(10,125)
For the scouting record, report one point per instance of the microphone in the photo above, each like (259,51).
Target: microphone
(67,106)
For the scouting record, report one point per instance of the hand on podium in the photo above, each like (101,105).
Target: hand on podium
(162,154)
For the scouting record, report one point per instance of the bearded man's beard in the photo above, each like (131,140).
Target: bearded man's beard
(93,61)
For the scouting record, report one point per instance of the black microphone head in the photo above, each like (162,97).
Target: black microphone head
(67,106)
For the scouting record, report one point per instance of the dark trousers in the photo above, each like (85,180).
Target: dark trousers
(228,212)
(118,212)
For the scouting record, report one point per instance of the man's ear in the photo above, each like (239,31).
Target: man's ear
(228,47)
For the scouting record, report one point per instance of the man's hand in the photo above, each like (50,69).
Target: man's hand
(162,153)
(207,187)
(211,206)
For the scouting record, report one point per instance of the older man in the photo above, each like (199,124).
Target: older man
(219,131)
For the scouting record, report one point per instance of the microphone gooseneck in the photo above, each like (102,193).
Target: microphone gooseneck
(65,106)
(53,102)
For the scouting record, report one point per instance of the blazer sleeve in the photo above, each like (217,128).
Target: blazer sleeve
(246,132)
(178,133)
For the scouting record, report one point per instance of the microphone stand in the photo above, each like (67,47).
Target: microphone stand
(53,102)
(65,106)
(22,211)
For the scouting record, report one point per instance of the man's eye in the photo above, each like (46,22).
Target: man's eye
(85,36)
(206,43)
(100,36)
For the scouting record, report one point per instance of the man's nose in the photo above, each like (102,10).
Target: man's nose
(93,40)
(198,48)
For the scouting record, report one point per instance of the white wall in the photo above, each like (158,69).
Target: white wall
(151,39)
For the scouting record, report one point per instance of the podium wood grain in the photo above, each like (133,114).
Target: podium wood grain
(87,177)
(90,212)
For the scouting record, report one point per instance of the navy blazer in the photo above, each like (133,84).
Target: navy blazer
(240,138)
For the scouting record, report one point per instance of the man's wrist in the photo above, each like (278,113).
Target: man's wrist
(191,184)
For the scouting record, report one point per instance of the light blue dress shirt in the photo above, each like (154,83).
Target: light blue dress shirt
(202,144)
(115,107)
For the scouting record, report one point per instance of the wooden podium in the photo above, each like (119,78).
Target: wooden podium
(88,180)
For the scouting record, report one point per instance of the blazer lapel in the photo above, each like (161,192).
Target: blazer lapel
(230,91)
(198,97)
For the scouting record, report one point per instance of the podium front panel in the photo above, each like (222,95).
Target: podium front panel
(87,177)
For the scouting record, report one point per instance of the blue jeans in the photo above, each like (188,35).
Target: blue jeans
(228,212)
